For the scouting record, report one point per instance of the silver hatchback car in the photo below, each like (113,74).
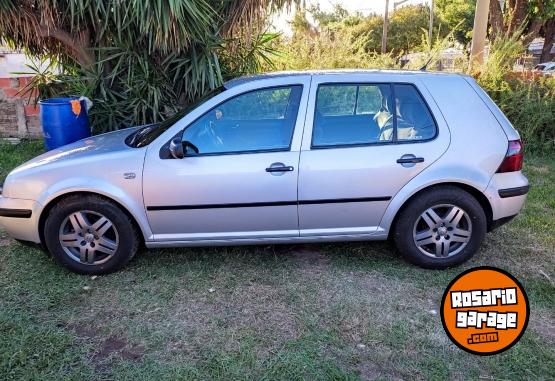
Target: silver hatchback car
(426,159)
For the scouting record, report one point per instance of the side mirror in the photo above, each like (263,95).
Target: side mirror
(179,149)
(176,148)
(188,147)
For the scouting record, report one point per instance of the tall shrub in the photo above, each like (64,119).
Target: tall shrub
(528,102)
(138,60)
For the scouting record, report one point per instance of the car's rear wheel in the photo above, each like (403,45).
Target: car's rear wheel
(90,235)
(439,228)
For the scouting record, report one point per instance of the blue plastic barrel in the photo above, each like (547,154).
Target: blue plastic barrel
(63,121)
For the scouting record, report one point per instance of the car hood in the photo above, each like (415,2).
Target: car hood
(111,142)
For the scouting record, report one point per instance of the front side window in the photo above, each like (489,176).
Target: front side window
(358,114)
(260,120)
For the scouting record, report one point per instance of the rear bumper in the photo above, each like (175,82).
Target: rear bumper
(513,192)
(506,193)
(20,218)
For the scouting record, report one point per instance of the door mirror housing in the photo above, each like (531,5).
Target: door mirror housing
(188,147)
(179,149)
(176,148)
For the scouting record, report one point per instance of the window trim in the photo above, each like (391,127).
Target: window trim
(270,150)
(394,141)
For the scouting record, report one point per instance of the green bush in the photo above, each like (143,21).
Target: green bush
(530,106)
(529,103)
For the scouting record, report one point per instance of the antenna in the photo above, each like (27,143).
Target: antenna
(425,67)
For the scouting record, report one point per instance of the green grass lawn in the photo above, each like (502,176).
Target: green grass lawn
(333,311)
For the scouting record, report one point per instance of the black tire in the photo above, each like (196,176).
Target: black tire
(129,239)
(410,214)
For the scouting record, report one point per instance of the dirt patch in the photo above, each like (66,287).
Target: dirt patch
(111,349)
(116,346)
(542,324)
(370,371)
(309,255)
(5,242)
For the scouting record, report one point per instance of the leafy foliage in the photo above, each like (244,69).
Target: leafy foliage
(335,46)
(528,103)
(458,16)
(138,60)
(404,33)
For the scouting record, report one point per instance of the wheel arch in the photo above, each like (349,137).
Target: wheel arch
(46,210)
(474,192)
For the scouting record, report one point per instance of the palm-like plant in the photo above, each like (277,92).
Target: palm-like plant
(140,59)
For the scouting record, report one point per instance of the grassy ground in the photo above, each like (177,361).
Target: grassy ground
(334,311)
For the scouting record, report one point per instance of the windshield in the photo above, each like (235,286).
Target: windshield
(147,134)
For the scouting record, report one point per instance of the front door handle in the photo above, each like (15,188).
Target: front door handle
(409,160)
(279,167)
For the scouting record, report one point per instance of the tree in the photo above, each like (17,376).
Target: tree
(406,27)
(458,15)
(527,17)
(138,59)
(549,39)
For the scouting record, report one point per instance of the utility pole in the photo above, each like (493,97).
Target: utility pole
(385,25)
(479,33)
(386,21)
(397,3)
(431,27)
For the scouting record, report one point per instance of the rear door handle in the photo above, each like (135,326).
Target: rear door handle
(410,159)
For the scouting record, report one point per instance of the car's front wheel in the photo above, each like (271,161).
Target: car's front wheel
(90,235)
(439,228)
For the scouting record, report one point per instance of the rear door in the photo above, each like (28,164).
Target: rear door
(366,136)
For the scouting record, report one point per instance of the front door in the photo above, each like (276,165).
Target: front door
(363,142)
(238,179)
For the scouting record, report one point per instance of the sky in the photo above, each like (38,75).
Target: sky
(280,20)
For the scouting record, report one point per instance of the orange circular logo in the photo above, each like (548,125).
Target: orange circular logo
(485,310)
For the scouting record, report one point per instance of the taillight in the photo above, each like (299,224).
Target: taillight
(514,157)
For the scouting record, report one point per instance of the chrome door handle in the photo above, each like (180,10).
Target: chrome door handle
(279,168)
(410,159)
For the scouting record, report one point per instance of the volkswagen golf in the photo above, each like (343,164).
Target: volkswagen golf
(425,159)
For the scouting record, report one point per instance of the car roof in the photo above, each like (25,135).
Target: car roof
(280,74)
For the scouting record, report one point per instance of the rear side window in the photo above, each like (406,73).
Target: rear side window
(414,120)
(351,114)
(359,114)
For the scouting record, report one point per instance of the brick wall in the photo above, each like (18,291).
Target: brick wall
(17,117)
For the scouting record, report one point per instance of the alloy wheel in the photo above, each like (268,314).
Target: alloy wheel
(88,237)
(442,231)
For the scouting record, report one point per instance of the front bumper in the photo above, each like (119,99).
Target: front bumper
(20,218)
